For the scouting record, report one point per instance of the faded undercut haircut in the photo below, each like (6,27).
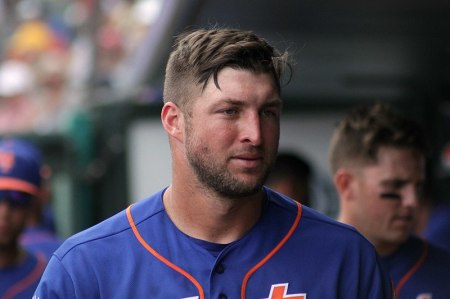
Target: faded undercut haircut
(199,55)
(358,137)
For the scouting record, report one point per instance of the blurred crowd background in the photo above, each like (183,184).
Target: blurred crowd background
(60,61)
(59,57)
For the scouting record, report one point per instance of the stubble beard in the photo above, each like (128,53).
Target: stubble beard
(216,177)
(220,180)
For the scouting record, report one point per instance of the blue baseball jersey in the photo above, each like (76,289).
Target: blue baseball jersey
(18,282)
(292,252)
(419,270)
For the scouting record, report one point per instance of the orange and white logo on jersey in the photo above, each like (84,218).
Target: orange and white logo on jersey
(6,161)
(280,291)
(425,296)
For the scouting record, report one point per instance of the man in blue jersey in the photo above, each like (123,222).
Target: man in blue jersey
(36,236)
(378,160)
(20,182)
(216,231)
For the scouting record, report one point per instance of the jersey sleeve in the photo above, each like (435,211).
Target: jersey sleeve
(55,282)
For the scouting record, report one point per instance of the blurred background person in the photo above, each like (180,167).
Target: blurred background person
(378,159)
(292,176)
(39,234)
(20,185)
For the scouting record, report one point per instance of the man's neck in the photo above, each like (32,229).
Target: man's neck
(382,248)
(385,249)
(211,218)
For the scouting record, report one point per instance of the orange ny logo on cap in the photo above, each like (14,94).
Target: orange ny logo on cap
(6,161)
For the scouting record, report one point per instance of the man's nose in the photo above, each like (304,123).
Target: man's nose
(251,129)
(411,197)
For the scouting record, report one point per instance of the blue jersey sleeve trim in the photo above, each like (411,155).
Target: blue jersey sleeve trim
(413,269)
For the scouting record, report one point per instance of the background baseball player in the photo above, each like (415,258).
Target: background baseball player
(38,236)
(20,182)
(378,161)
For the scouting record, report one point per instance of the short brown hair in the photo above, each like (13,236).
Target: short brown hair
(199,56)
(366,128)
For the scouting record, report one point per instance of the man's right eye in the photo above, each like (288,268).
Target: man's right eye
(229,111)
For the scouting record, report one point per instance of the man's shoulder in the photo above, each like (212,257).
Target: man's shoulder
(327,230)
(316,222)
(112,227)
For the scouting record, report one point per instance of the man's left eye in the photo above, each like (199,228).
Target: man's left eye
(268,113)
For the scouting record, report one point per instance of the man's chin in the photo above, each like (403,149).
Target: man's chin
(400,238)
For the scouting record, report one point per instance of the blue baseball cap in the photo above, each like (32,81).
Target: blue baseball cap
(20,166)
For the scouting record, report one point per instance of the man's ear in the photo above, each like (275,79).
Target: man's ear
(343,180)
(172,120)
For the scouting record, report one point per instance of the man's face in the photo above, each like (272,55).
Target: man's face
(387,196)
(232,134)
(13,217)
